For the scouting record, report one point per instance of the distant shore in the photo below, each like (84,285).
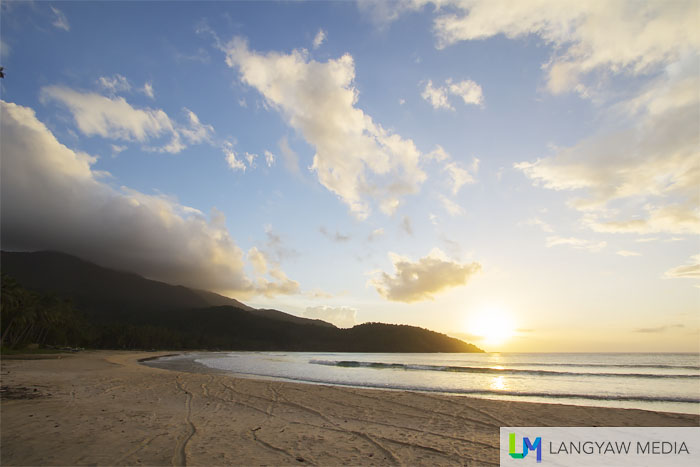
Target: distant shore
(103,407)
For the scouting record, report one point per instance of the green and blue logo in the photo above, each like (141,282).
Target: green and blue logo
(527,447)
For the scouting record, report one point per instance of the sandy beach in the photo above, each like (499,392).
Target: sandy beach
(105,408)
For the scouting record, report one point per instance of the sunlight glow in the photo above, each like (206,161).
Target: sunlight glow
(492,324)
(499,383)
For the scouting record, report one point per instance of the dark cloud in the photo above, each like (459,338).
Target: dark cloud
(406,225)
(276,246)
(52,199)
(337,237)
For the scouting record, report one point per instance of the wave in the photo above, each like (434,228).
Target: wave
(611,365)
(490,392)
(486,370)
(597,397)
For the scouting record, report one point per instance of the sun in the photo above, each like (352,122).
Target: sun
(493,324)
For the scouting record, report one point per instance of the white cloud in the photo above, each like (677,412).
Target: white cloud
(459,175)
(355,158)
(627,253)
(343,317)
(319,39)
(258,261)
(233,162)
(541,224)
(577,243)
(148,90)
(195,132)
(277,282)
(450,206)
(317,293)
(622,36)
(652,163)
(649,157)
(114,84)
(269,159)
(382,12)
(118,83)
(691,270)
(438,154)
(116,149)
(657,158)
(420,280)
(52,199)
(588,39)
(114,118)
(436,96)
(674,218)
(250,159)
(468,90)
(60,22)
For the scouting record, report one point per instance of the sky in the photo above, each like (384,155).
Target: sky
(521,175)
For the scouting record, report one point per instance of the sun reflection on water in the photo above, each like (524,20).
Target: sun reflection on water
(498,383)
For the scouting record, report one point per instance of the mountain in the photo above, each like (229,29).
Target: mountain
(114,309)
(103,293)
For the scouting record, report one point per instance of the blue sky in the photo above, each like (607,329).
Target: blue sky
(523,175)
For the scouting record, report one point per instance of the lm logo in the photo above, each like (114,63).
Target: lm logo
(527,447)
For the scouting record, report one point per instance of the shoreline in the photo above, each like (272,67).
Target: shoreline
(105,407)
(187,363)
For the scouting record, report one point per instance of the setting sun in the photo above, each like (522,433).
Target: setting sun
(493,325)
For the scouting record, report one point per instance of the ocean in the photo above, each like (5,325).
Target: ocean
(662,382)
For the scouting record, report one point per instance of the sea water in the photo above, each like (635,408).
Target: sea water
(662,382)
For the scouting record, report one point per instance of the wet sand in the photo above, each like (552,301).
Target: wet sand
(105,408)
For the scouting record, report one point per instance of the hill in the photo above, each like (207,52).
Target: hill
(113,309)
(105,294)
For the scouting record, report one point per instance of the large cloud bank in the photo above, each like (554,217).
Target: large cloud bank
(53,199)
